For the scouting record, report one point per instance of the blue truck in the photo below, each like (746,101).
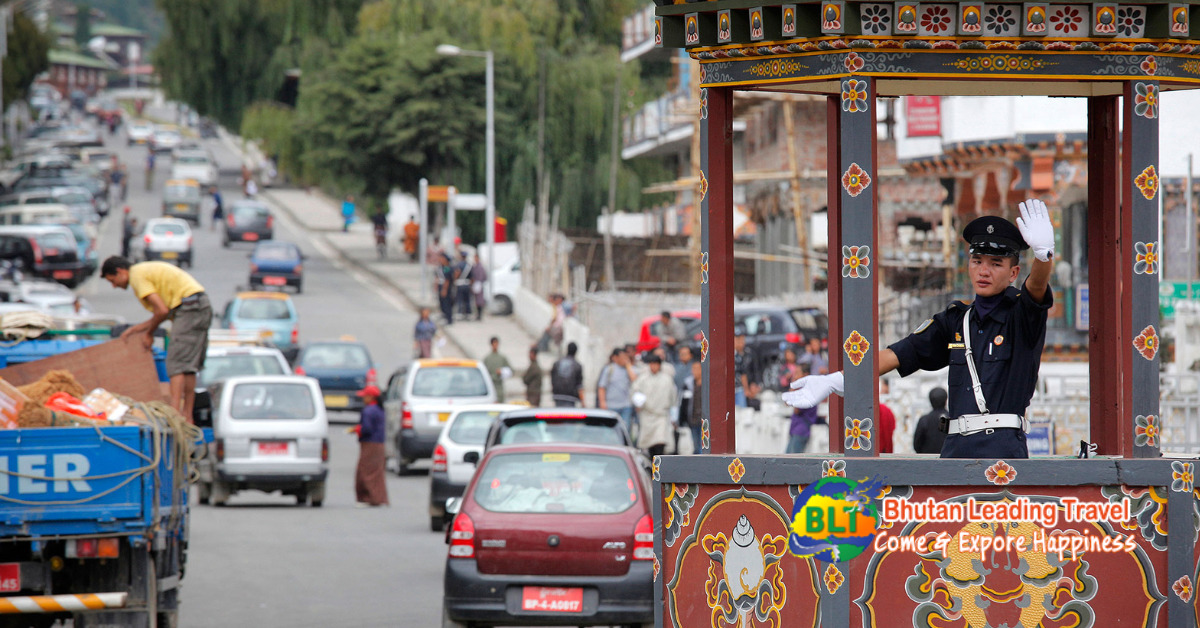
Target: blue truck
(93,520)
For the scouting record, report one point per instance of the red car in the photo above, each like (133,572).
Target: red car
(552,534)
(652,327)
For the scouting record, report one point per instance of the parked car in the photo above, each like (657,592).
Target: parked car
(139,131)
(343,367)
(420,397)
(182,199)
(770,329)
(558,425)
(80,200)
(652,327)
(248,220)
(196,165)
(271,312)
(164,239)
(552,535)
(165,138)
(458,450)
(277,263)
(231,361)
(270,434)
(45,251)
(85,246)
(102,158)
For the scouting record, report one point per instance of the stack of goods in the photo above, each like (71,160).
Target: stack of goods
(57,400)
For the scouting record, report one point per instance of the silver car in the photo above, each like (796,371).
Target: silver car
(420,398)
(270,434)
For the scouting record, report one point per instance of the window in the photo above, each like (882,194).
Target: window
(554,482)
(449,381)
(189,192)
(56,241)
(270,401)
(336,356)
(757,324)
(808,320)
(163,228)
(471,428)
(264,309)
(220,366)
(561,431)
(278,252)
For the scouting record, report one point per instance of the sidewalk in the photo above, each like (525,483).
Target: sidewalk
(321,215)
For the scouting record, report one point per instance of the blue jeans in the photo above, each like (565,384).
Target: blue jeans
(739,397)
(797,443)
(626,416)
(696,437)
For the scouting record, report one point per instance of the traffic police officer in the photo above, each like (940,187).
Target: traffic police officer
(993,346)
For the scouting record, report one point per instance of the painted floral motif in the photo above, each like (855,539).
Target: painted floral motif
(971,22)
(855,180)
(856,261)
(704,267)
(876,19)
(1000,63)
(1179,21)
(1147,258)
(1130,21)
(677,515)
(854,62)
(834,578)
(858,434)
(1183,588)
(776,67)
(1148,510)
(854,95)
(1147,182)
(1183,476)
(1000,473)
(737,470)
(703,103)
(1147,342)
(654,469)
(856,347)
(999,19)
(705,441)
(1067,20)
(833,468)
(935,20)
(703,347)
(703,186)
(1149,65)
(657,567)
(1145,100)
(1145,430)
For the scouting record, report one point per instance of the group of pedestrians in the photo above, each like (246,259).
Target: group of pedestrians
(460,287)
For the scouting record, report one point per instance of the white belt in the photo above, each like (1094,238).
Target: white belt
(972,423)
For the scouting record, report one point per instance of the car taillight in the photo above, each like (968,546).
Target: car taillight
(270,221)
(220,450)
(324,450)
(295,335)
(189,242)
(462,537)
(93,548)
(299,370)
(406,420)
(37,251)
(371,376)
(439,458)
(146,239)
(643,539)
(230,220)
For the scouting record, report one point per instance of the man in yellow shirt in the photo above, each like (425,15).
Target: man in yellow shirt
(169,293)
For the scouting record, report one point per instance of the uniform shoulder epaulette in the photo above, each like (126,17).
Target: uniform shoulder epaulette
(958,305)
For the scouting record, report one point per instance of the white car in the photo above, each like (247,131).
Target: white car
(165,239)
(232,361)
(165,138)
(139,131)
(194,164)
(464,434)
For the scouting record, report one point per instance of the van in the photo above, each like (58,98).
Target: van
(505,274)
(36,214)
(270,434)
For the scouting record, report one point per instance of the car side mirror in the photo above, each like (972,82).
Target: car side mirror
(453,505)
(471,457)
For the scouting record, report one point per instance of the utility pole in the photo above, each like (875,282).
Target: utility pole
(609,275)
(694,258)
(798,214)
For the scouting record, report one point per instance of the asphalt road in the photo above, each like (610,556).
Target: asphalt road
(262,561)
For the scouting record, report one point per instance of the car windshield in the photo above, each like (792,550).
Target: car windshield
(273,400)
(72,198)
(167,228)
(449,381)
(276,252)
(78,231)
(249,212)
(263,309)
(190,192)
(55,241)
(220,366)
(336,356)
(471,427)
(808,319)
(561,431)
(191,159)
(555,482)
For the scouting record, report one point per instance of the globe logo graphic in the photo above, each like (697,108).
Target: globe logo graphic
(834,519)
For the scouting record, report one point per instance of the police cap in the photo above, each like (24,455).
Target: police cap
(993,235)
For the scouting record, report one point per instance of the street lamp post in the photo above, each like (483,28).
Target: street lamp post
(489,218)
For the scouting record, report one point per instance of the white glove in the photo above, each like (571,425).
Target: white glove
(639,399)
(1035,227)
(811,390)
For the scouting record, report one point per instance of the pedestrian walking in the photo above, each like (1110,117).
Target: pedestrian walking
(654,396)
(170,294)
(462,285)
(928,437)
(347,212)
(566,379)
(498,367)
(479,275)
(614,387)
(695,414)
(150,169)
(993,346)
(127,225)
(555,330)
(423,335)
(412,238)
(116,192)
(370,485)
(671,334)
(251,188)
(218,213)
(802,419)
(533,379)
(446,289)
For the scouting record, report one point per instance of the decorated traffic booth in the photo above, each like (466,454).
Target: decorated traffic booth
(853,538)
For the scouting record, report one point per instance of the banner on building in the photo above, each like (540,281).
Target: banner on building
(923,115)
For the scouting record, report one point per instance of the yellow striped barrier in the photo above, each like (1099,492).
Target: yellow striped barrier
(60,603)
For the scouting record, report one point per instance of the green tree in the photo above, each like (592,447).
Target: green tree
(83,24)
(273,125)
(28,56)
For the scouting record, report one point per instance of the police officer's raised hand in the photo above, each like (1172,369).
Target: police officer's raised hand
(811,390)
(1036,228)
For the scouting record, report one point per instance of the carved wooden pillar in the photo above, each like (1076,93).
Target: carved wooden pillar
(716,268)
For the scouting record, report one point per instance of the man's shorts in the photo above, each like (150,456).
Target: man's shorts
(189,335)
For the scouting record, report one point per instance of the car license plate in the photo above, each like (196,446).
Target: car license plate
(61,274)
(443,417)
(553,599)
(181,208)
(272,448)
(250,236)
(10,577)
(274,281)
(336,401)
(169,255)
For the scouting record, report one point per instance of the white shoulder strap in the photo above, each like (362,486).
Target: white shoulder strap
(975,385)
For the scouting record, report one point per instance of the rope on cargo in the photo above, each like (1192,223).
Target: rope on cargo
(160,414)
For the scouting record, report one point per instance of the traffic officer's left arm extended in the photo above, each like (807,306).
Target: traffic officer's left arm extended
(1038,233)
